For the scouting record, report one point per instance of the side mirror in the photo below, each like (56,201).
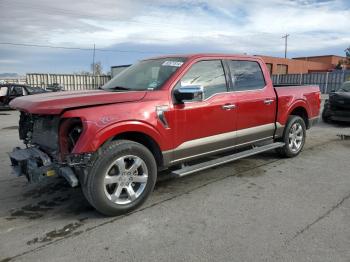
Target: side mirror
(189,93)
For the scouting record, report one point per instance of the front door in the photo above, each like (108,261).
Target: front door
(208,125)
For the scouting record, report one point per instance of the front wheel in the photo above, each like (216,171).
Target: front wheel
(326,114)
(121,178)
(293,136)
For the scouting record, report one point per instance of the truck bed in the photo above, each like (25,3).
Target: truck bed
(298,95)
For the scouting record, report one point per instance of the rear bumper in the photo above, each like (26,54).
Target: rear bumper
(36,166)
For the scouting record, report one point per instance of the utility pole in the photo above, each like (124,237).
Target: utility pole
(285,44)
(93,61)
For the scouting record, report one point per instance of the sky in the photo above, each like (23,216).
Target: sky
(126,31)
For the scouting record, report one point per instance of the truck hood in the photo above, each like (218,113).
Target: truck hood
(55,103)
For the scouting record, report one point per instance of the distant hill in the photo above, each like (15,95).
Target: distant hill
(9,75)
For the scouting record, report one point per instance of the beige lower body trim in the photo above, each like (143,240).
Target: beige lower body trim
(218,143)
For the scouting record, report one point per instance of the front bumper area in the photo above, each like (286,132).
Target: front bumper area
(339,115)
(36,165)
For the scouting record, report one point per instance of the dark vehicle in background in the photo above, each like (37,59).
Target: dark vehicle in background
(116,70)
(8,92)
(337,107)
(55,87)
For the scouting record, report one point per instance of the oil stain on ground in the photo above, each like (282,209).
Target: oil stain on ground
(35,211)
(69,229)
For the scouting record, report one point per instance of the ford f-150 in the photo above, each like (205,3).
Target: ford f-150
(167,112)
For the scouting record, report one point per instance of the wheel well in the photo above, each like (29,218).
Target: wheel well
(301,111)
(145,140)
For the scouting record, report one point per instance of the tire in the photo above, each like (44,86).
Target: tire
(121,178)
(295,130)
(326,113)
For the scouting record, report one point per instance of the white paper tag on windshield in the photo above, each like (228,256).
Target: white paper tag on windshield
(172,63)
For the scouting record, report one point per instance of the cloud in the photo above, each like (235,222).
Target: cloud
(9,61)
(224,25)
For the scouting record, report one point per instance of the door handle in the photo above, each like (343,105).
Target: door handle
(268,101)
(228,106)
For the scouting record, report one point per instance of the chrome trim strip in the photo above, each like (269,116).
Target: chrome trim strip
(225,92)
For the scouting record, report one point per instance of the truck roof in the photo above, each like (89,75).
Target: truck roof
(199,55)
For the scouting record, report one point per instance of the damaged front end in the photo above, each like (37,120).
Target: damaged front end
(49,142)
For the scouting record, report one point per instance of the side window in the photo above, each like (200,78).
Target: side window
(3,90)
(16,91)
(246,75)
(208,74)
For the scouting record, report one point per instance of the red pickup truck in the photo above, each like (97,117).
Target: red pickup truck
(160,113)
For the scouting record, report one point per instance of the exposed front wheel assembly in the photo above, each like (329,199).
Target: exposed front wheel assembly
(121,178)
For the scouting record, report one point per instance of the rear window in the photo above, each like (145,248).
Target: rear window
(246,75)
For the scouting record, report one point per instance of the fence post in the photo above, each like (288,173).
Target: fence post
(278,79)
(75,82)
(326,86)
(301,79)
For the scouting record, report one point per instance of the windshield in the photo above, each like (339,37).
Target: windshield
(345,87)
(34,90)
(145,75)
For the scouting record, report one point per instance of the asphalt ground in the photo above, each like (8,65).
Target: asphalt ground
(263,208)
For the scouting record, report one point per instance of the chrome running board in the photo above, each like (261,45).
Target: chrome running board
(223,160)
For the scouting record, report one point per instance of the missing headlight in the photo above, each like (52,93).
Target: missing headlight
(70,131)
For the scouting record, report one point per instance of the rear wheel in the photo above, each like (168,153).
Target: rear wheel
(293,136)
(122,178)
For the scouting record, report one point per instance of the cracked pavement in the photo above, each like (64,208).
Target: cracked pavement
(262,208)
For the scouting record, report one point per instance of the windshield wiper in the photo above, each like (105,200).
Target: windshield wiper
(118,88)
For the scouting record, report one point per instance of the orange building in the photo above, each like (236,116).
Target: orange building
(302,65)
(327,59)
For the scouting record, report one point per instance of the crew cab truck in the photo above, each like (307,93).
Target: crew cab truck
(159,113)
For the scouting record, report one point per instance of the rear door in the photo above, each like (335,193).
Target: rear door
(207,125)
(256,101)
